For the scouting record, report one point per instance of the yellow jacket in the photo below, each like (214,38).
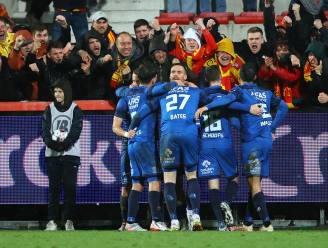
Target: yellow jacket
(7,45)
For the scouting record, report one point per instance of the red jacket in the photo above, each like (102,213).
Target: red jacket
(196,60)
(286,83)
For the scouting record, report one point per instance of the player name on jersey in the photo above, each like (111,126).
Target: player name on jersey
(178,116)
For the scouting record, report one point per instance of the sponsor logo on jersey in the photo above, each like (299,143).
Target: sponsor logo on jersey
(179,89)
(206,168)
(261,96)
(168,158)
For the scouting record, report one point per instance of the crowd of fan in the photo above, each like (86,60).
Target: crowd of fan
(292,62)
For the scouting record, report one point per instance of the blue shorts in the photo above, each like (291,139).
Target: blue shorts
(213,160)
(125,170)
(143,161)
(179,149)
(255,156)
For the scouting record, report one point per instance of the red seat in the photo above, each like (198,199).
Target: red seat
(252,13)
(230,15)
(249,19)
(171,20)
(178,15)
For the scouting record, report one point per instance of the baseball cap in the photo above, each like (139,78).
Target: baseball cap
(99,15)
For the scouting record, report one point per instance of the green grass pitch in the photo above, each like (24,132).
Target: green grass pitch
(102,239)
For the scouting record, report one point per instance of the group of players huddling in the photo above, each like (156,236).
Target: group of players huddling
(195,134)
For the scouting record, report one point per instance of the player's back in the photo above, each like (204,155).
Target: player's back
(136,98)
(215,126)
(178,107)
(253,125)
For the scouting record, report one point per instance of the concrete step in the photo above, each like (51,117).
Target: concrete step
(131,15)
(133,5)
(123,26)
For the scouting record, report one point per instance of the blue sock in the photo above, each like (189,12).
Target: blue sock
(249,207)
(215,203)
(261,208)
(133,206)
(155,207)
(231,190)
(170,196)
(194,195)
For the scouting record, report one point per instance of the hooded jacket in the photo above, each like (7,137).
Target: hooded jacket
(163,70)
(95,85)
(229,73)
(76,126)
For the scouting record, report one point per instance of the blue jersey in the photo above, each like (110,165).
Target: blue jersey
(215,126)
(134,99)
(178,108)
(252,125)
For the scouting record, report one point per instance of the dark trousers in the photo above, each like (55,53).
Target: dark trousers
(60,173)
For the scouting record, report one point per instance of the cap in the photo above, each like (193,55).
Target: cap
(99,15)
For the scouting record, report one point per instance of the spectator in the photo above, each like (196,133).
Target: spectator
(228,62)
(127,55)
(189,6)
(283,73)
(18,62)
(8,90)
(303,14)
(206,6)
(55,66)
(190,50)
(7,39)
(142,31)
(273,33)
(75,12)
(254,48)
(61,129)
(98,71)
(315,76)
(162,60)
(101,26)
(41,40)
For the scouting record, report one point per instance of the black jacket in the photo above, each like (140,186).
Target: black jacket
(75,129)
(50,72)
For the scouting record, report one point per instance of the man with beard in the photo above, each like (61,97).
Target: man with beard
(101,27)
(162,60)
(98,70)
